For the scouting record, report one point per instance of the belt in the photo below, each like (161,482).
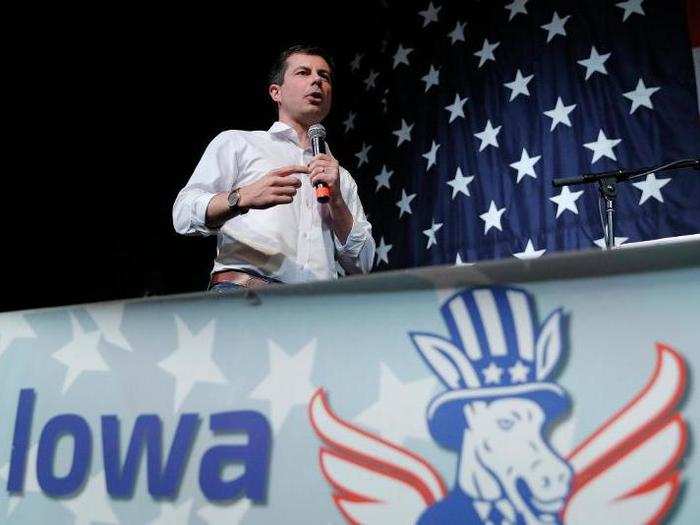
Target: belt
(242,278)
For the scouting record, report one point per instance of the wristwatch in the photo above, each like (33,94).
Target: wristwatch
(233,198)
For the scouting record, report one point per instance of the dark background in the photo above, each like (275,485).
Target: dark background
(109,114)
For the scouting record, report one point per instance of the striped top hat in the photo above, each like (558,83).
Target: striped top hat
(497,349)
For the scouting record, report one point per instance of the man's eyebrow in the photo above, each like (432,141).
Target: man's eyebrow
(322,70)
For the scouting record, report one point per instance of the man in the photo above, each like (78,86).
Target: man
(254,190)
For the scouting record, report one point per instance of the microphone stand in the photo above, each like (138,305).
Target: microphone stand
(607,181)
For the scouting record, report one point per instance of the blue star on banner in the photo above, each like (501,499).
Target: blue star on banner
(473,108)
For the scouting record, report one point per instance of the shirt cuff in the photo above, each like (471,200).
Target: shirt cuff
(199,213)
(353,244)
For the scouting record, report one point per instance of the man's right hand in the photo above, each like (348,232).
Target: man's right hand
(276,187)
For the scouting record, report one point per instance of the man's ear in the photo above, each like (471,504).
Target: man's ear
(274,91)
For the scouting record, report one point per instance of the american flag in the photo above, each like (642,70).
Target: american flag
(455,123)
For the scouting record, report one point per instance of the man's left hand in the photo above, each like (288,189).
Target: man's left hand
(324,168)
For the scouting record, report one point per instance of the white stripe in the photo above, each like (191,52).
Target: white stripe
(492,321)
(523,324)
(466,329)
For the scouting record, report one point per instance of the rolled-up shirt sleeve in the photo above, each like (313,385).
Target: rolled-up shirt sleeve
(357,253)
(215,172)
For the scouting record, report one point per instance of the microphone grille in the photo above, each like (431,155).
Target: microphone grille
(317,131)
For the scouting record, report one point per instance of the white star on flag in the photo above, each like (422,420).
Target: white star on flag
(595,63)
(13,326)
(600,243)
(288,384)
(488,137)
(460,183)
(371,79)
(519,85)
(430,15)
(430,233)
(405,203)
(231,514)
(383,251)
(526,165)
(492,374)
(91,504)
(651,187)
(530,252)
(603,147)
(355,64)
(456,109)
(486,52)
(432,78)
(457,34)
(383,178)
(171,513)
(362,154)
(566,200)
(108,319)
(192,362)
(641,96)
(403,134)
(80,354)
(560,114)
(430,156)
(516,7)
(349,122)
(492,218)
(631,6)
(393,415)
(555,27)
(401,56)
(518,372)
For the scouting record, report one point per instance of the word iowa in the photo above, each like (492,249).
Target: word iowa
(164,477)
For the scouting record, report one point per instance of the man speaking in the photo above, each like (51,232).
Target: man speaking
(280,213)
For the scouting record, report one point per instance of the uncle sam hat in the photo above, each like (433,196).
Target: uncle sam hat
(497,349)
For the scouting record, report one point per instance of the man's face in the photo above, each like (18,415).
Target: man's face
(305,94)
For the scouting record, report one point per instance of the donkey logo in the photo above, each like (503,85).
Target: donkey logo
(496,411)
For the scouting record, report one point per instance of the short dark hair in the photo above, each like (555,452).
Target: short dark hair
(279,67)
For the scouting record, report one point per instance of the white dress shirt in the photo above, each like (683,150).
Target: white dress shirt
(289,242)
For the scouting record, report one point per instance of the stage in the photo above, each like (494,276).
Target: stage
(356,399)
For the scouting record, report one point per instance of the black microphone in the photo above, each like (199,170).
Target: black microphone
(317,135)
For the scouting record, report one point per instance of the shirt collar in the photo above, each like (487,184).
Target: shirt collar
(281,129)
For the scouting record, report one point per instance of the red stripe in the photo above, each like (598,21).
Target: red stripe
(694,22)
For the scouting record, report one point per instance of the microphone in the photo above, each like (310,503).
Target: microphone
(317,135)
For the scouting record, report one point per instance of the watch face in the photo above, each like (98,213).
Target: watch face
(233,198)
